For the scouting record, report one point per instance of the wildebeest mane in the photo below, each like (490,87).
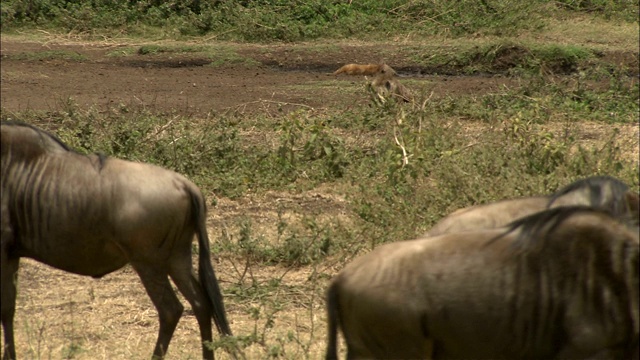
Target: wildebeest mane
(101,157)
(595,185)
(38,131)
(534,228)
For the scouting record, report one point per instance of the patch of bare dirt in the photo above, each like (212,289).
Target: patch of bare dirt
(189,84)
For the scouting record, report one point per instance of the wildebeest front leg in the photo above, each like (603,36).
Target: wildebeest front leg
(9,283)
(190,287)
(156,281)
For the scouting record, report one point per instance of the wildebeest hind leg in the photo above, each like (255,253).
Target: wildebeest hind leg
(9,283)
(428,350)
(189,286)
(156,281)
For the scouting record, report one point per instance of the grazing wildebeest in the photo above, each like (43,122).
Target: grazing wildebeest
(602,192)
(559,284)
(91,215)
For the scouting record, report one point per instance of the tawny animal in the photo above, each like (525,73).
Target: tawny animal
(385,85)
(365,69)
(559,284)
(597,191)
(91,215)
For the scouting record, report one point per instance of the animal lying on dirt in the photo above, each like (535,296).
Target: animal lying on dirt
(365,69)
(559,284)
(597,191)
(91,215)
(384,84)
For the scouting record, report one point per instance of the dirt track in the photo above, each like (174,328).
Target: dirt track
(188,84)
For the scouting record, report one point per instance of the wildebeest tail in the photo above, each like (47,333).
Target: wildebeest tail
(206,273)
(333,322)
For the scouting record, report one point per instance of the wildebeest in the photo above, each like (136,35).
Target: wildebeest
(559,284)
(91,215)
(603,192)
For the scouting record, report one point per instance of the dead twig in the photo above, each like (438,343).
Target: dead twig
(405,157)
(159,130)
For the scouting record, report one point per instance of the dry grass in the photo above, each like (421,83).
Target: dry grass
(60,315)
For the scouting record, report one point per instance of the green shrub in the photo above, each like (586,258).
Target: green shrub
(279,20)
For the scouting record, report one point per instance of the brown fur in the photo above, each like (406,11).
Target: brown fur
(602,192)
(91,215)
(389,86)
(386,84)
(488,216)
(368,69)
(561,284)
(357,69)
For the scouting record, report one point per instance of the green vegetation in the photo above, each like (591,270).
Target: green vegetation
(399,168)
(542,100)
(502,56)
(49,55)
(375,173)
(283,20)
(361,151)
(162,49)
(219,55)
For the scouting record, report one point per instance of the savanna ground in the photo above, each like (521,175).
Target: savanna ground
(303,170)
